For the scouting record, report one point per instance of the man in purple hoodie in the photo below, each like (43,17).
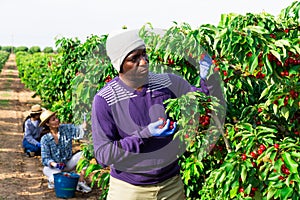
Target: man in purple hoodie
(129,132)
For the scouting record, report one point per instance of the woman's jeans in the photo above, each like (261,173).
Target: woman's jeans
(28,147)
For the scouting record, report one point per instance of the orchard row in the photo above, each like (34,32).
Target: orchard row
(243,139)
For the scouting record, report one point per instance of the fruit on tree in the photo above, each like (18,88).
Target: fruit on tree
(285,170)
(262,147)
(241,190)
(170,61)
(244,156)
(253,155)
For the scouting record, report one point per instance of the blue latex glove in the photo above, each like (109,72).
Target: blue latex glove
(38,145)
(205,64)
(60,166)
(157,131)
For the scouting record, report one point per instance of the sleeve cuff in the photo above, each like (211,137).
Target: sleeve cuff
(145,133)
(48,163)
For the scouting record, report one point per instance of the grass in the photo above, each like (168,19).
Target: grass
(4,102)
(5,95)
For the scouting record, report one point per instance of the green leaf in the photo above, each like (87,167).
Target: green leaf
(196,172)
(275,108)
(285,112)
(296,177)
(254,64)
(269,138)
(222,177)
(234,190)
(268,65)
(244,173)
(264,129)
(278,185)
(246,126)
(295,154)
(265,172)
(246,136)
(290,163)
(256,29)
(271,193)
(285,193)
(294,70)
(239,84)
(273,177)
(275,53)
(278,164)
(92,167)
(273,155)
(265,92)
(282,43)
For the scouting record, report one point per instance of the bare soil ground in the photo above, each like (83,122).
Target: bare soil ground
(21,177)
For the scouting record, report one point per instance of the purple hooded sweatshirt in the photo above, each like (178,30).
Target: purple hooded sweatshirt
(120,116)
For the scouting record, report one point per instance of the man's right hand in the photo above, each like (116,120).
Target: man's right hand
(156,130)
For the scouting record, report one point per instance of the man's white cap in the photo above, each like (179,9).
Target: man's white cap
(120,44)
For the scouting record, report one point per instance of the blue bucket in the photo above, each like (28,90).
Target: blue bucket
(65,184)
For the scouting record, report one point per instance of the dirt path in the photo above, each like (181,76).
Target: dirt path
(21,178)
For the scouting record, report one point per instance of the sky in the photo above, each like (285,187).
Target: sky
(41,22)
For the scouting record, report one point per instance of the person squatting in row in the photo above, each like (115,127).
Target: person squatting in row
(56,149)
(32,132)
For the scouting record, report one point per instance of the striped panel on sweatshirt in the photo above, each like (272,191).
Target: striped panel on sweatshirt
(114,92)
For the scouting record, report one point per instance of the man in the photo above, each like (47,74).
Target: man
(129,131)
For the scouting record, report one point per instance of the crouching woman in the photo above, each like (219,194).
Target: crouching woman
(56,149)
(32,132)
